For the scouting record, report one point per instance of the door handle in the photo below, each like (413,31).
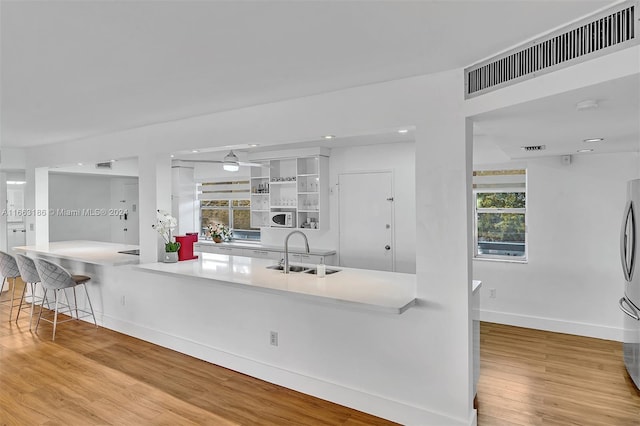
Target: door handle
(387,247)
(633,314)
(627,241)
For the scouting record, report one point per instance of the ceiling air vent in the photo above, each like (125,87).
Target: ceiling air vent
(533,148)
(105,165)
(605,32)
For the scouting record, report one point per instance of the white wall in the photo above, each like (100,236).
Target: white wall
(572,280)
(78,192)
(399,158)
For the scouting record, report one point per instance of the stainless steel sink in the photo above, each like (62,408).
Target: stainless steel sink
(327,271)
(292,268)
(304,269)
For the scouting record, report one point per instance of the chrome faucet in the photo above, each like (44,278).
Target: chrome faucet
(286,248)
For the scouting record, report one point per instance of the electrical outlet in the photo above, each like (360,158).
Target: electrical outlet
(492,293)
(273,338)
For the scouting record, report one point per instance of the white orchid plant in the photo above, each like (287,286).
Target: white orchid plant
(165,223)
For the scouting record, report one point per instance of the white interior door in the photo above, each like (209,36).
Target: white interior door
(366,220)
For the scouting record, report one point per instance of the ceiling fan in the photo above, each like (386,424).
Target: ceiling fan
(231,163)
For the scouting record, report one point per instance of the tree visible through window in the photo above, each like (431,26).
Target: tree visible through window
(500,218)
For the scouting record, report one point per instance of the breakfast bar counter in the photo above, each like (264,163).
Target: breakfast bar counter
(382,291)
(90,252)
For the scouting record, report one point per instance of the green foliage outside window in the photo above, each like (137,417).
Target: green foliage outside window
(501,200)
(508,226)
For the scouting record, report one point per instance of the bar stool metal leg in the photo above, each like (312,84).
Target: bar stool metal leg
(90,305)
(24,290)
(75,301)
(55,315)
(33,295)
(13,296)
(44,296)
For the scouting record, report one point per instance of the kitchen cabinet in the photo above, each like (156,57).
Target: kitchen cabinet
(299,185)
(327,257)
(263,254)
(219,249)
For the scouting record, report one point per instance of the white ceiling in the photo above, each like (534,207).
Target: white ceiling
(556,122)
(71,69)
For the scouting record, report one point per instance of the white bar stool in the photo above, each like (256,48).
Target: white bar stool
(29,275)
(55,278)
(9,270)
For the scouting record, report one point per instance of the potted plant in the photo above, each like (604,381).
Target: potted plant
(219,232)
(165,223)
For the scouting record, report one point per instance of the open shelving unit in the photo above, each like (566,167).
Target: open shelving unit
(298,185)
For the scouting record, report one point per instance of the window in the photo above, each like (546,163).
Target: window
(500,215)
(224,202)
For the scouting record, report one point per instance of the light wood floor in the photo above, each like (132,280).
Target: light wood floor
(92,376)
(531,377)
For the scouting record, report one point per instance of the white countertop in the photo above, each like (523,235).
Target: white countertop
(389,292)
(259,246)
(95,252)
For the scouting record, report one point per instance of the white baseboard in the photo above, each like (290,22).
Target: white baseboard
(551,324)
(473,421)
(369,403)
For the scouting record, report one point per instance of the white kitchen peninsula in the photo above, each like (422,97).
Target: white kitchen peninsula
(91,252)
(342,338)
(382,291)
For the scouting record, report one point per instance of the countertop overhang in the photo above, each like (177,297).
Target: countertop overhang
(94,252)
(387,292)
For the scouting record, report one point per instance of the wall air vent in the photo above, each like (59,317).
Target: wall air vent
(105,165)
(605,32)
(533,148)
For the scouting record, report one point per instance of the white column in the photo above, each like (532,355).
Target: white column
(184,200)
(154,180)
(443,245)
(3,216)
(42,205)
(36,199)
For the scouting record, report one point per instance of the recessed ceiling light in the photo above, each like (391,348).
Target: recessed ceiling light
(329,136)
(253,145)
(195,151)
(593,140)
(585,150)
(172,156)
(587,104)
(403,131)
(79,164)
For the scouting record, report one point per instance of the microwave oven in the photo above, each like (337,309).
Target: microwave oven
(281,219)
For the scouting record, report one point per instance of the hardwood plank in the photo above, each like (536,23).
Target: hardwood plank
(531,377)
(95,376)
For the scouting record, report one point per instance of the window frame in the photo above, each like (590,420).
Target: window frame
(230,209)
(519,210)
